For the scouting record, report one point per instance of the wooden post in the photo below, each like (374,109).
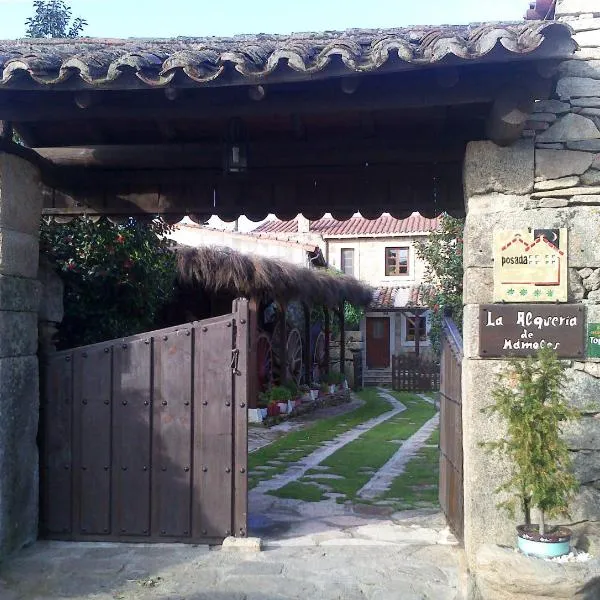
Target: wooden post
(342,340)
(327,336)
(306,358)
(282,344)
(252,357)
(417,332)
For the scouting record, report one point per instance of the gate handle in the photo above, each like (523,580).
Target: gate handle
(235,356)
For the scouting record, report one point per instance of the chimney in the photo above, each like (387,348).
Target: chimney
(303,224)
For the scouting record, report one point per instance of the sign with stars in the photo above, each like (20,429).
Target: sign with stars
(530,265)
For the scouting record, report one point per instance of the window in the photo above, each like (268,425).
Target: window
(396,261)
(347,261)
(411,328)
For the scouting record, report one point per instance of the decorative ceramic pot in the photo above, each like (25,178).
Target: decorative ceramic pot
(555,542)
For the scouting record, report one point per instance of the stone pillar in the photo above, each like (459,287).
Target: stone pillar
(20,209)
(549,179)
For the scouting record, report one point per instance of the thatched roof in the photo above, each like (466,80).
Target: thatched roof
(223,270)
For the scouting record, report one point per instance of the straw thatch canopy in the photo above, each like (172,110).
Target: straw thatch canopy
(218,270)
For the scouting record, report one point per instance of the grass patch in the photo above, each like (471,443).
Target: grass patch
(309,492)
(302,442)
(374,447)
(417,487)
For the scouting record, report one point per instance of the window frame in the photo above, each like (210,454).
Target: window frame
(342,261)
(387,255)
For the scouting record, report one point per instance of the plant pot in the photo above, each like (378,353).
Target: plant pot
(283,407)
(556,541)
(265,412)
(332,388)
(273,410)
(255,415)
(314,394)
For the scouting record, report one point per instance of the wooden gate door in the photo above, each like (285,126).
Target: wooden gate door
(145,438)
(378,342)
(451,449)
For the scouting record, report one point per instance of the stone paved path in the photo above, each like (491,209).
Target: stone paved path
(299,468)
(382,480)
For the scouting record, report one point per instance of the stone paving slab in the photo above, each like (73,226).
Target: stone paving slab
(61,571)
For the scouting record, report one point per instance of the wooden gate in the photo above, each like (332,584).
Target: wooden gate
(451,449)
(145,438)
(412,373)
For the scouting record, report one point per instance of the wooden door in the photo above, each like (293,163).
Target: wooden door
(378,342)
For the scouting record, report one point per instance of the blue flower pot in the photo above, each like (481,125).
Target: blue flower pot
(555,543)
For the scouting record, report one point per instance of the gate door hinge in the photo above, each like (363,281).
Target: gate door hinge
(235,356)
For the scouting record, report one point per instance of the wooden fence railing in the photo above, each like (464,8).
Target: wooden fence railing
(412,373)
(451,448)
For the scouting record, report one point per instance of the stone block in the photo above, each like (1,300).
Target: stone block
(592,281)
(20,195)
(587,145)
(583,391)
(587,54)
(577,87)
(478,285)
(557,164)
(248,544)
(570,127)
(19,333)
(588,24)
(584,433)
(492,168)
(471,330)
(19,478)
(502,574)
(585,506)
(490,203)
(589,111)
(483,472)
(586,464)
(51,304)
(585,102)
(551,106)
(588,39)
(19,254)
(564,192)
(576,7)
(591,177)
(576,291)
(18,293)
(554,184)
(580,68)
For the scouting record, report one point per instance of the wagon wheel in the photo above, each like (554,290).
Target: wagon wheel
(319,356)
(294,356)
(264,361)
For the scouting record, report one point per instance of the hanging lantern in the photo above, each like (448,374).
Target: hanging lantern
(236,148)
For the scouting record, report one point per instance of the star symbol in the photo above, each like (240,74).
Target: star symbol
(523,292)
(550,293)
(537,293)
(510,292)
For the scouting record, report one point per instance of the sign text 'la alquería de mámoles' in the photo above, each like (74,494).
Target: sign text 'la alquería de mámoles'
(523,329)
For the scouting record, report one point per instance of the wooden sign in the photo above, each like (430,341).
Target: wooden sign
(523,329)
(593,340)
(530,265)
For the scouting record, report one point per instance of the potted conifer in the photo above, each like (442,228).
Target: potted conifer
(529,395)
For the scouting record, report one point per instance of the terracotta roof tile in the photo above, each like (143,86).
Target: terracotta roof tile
(394,297)
(356,226)
(158,62)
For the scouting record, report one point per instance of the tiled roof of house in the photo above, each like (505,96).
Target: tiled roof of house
(356,226)
(158,62)
(392,297)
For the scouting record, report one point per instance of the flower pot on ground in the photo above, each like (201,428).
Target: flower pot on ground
(255,415)
(530,396)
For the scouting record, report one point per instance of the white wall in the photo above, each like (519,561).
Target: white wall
(369,259)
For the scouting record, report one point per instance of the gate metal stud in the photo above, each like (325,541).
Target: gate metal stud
(84,468)
(205,329)
(163,532)
(146,341)
(68,358)
(227,403)
(227,470)
(145,531)
(84,401)
(163,468)
(204,402)
(165,337)
(186,532)
(124,468)
(243,321)
(228,323)
(242,531)
(204,532)
(242,470)
(145,468)
(84,355)
(146,402)
(164,402)
(106,402)
(188,332)
(186,403)
(124,402)
(106,468)
(228,532)
(242,405)
(123,530)
(204,469)
(186,469)
(124,346)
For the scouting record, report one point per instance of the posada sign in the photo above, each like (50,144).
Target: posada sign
(523,329)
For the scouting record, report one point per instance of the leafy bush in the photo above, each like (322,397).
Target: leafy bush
(117,277)
(280,393)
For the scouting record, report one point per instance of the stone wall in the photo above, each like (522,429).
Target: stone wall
(549,179)
(20,209)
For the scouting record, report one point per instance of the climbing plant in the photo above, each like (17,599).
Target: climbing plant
(443,289)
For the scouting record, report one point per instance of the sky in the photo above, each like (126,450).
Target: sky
(154,18)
